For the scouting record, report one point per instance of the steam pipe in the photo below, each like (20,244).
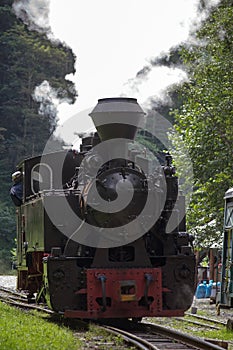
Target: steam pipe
(102,279)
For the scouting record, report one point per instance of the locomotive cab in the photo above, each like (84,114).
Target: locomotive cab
(36,233)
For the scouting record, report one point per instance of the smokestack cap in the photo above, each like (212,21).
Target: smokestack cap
(117,117)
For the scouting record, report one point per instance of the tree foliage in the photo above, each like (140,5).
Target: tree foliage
(28,60)
(206,118)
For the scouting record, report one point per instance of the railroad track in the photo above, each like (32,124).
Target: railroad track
(20,300)
(203,318)
(138,336)
(199,324)
(154,337)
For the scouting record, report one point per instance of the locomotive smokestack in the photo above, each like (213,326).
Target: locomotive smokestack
(117,117)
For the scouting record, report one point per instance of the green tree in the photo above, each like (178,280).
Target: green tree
(205,120)
(28,60)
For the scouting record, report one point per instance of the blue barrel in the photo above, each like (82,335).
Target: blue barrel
(201,290)
(208,289)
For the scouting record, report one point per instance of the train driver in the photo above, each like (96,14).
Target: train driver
(16,191)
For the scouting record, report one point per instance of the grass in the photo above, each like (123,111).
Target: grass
(23,331)
(222,334)
(32,330)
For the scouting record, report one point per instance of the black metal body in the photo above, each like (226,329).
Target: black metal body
(88,281)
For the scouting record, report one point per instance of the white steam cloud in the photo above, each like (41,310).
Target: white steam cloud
(152,81)
(34,13)
(47,97)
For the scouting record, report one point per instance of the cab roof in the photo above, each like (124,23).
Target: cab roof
(229,193)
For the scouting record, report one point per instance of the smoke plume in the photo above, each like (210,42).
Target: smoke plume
(34,13)
(47,97)
(166,69)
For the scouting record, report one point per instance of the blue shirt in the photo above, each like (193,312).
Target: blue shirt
(16,193)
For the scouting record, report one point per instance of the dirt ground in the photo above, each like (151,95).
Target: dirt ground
(204,304)
(8,281)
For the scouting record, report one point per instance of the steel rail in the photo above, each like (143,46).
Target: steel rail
(185,338)
(206,318)
(183,319)
(13,292)
(6,296)
(130,338)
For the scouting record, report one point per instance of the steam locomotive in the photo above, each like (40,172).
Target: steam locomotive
(101,232)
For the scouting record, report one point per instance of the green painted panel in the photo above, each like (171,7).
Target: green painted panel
(34,224)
